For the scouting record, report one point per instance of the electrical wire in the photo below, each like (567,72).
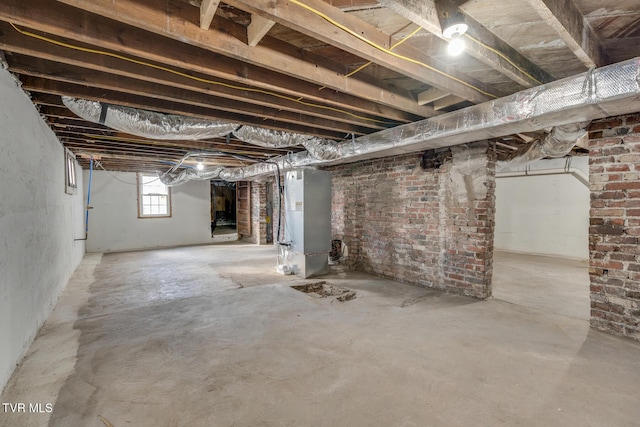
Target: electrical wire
(199,79)
(362,67)
(97,163)
(388,51)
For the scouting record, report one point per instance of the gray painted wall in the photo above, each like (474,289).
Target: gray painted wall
(114,224)
(38,224)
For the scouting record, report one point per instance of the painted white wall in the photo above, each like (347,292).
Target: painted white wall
(38,224)
(114,224)
(546,215)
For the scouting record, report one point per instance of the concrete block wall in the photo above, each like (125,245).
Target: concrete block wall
(429,227)
(614,231)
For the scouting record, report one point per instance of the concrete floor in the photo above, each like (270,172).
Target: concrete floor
(550,284)
(212,336)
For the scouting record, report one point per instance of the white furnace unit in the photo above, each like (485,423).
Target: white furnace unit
(307,201)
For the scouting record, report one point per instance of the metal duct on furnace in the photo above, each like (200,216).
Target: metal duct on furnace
(147,124)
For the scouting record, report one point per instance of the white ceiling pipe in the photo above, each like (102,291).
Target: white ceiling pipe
(577,173)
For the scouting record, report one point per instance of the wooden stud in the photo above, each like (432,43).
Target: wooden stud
(258,28)
(207,11)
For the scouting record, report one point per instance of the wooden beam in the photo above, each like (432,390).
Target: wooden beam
(430,95)
(427,69)
(170,107)
(64,21)
(257,29)
(423,13)
(145,157)
(565,18)
(447,101)
(481,43)
(207,11)
(12,41)
(224,39)
(51,70)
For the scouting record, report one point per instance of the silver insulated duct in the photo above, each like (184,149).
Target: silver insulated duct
(557,143)
(608,91)
(147,124)
(277,139)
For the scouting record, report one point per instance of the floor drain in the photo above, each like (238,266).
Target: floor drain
(325,290)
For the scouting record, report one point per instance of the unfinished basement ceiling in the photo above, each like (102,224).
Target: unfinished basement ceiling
(294,66)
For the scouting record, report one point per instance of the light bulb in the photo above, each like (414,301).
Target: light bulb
(456,46)
(200,166)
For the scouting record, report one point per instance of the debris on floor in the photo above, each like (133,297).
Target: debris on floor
(412,301)
(325,290)
(105,421)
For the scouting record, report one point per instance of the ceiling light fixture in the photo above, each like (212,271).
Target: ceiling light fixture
(456,46)
(200,166)
(453,28)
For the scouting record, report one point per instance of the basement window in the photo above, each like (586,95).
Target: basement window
(70,177)
(154,198)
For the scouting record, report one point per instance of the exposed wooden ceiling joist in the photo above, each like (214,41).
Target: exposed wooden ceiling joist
(257,29)
(226,38)
(251,113)
(64,21)
(12,41)
(447,101)
(431,95)
(207,11)
(565,18)
(482,44)
(294,75)
(421,67)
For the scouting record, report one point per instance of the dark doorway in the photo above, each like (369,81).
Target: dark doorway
(223,208)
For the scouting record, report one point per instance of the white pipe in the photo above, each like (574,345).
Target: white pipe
(580,176)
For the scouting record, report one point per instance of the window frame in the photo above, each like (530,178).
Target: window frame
(70,172)
(141,194)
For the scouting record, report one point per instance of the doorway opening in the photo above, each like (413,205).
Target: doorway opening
(541,236)
(223,208)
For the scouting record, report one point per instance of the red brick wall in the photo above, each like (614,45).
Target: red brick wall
(614,232)
(417,226)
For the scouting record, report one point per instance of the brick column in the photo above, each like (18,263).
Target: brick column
(430,225)
(614,253)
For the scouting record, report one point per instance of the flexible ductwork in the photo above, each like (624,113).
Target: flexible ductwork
(269,138)
(147,124)
(171,179)
(557,143)
(317,147)
(608,91)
